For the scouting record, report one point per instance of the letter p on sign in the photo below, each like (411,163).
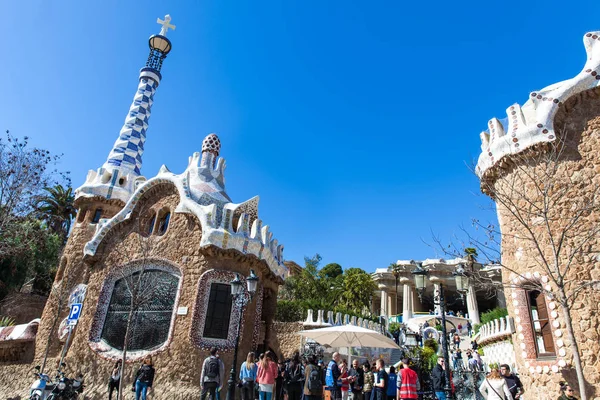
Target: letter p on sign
(74,313)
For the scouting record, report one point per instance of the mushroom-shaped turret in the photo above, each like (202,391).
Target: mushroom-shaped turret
(211,144)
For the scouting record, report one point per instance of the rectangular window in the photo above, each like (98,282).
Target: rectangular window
(540,323)
(218,314)
(97,216)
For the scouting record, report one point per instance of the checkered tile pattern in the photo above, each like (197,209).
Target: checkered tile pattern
(129,147)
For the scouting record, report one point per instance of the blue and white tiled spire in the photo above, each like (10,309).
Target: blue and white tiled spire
(127,151)
(121,173)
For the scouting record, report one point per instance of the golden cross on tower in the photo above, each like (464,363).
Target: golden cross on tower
(165,25)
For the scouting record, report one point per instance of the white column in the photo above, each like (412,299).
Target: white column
(472,307)
(407,303)
(384,303)
(436,292)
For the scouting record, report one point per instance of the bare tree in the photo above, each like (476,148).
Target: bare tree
(141,290)
(24,172)
(547,222)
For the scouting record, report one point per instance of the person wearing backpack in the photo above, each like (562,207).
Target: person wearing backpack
(294,375)
(313,386)
(211,378)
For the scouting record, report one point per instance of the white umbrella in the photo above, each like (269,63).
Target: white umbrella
(349,336)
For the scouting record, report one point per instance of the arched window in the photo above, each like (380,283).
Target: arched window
(151,224)
(97,216)
(163,223)
(151,294)
(540,324)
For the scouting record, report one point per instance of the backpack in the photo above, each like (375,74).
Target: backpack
(294,375)
(314,380)
(213,368)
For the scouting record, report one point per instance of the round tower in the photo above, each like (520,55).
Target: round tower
(104,193)
(541,167)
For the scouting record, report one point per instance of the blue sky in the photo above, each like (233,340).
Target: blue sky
(353,121)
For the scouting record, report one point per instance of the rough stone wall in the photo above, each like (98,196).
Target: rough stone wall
(23,307)
(178,367)
(288,338)
(579,170)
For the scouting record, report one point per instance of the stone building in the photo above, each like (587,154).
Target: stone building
(396,295)
(185,238)
(541,166)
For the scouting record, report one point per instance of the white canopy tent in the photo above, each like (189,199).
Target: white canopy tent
(349,336)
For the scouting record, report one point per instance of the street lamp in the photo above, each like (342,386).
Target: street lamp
(462,284)
(462,281)
(241,298)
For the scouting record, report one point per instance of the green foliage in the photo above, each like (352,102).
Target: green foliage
(329,288)
(6,321)
(480,351)
(394,327)
(56,208)
(432,344)
(37,261)
(331,270)
(289,311)
(357,290)
(489,316)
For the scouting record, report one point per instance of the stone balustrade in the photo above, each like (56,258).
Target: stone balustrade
(337,319)
(496,330)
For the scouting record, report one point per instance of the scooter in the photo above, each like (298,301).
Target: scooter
(64,388)
(42,387)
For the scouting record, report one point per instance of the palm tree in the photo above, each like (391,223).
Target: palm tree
(57,209)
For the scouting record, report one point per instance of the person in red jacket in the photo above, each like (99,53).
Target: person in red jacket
(408,382)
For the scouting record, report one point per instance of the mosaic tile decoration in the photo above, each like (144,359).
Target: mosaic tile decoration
(95,342)
(120,175)
(22,332)
(212,208)
(201,307)
(525,339)
(534,122)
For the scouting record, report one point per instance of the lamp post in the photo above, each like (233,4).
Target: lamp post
(462,283)
(241,298)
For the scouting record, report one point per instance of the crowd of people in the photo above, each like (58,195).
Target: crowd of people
(270,378)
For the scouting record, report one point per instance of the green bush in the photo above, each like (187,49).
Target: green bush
(289,311)
(489,316)
(394,327)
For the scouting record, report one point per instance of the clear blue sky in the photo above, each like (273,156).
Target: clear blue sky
(353,121)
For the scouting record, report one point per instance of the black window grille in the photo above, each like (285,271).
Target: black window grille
(97,216)
(219,311)
(153,310)
(163,224)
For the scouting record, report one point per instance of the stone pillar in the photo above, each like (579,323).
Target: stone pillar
(407,306)
(472,307)
(390,305)
(384,303)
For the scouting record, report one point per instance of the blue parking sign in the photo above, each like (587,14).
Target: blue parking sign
(74,314)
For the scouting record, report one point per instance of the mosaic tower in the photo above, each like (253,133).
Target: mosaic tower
(541,167)
(121,172)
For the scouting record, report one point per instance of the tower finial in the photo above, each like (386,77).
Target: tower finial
(165,25)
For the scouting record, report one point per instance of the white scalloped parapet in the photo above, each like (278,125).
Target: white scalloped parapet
(202,193)
(534,122)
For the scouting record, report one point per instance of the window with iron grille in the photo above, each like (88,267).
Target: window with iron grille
(153,310)
(218,312)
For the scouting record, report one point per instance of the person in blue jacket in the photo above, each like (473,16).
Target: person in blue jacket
(248,377)
(332,377)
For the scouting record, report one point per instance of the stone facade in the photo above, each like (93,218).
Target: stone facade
(515,176)
(182,225)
